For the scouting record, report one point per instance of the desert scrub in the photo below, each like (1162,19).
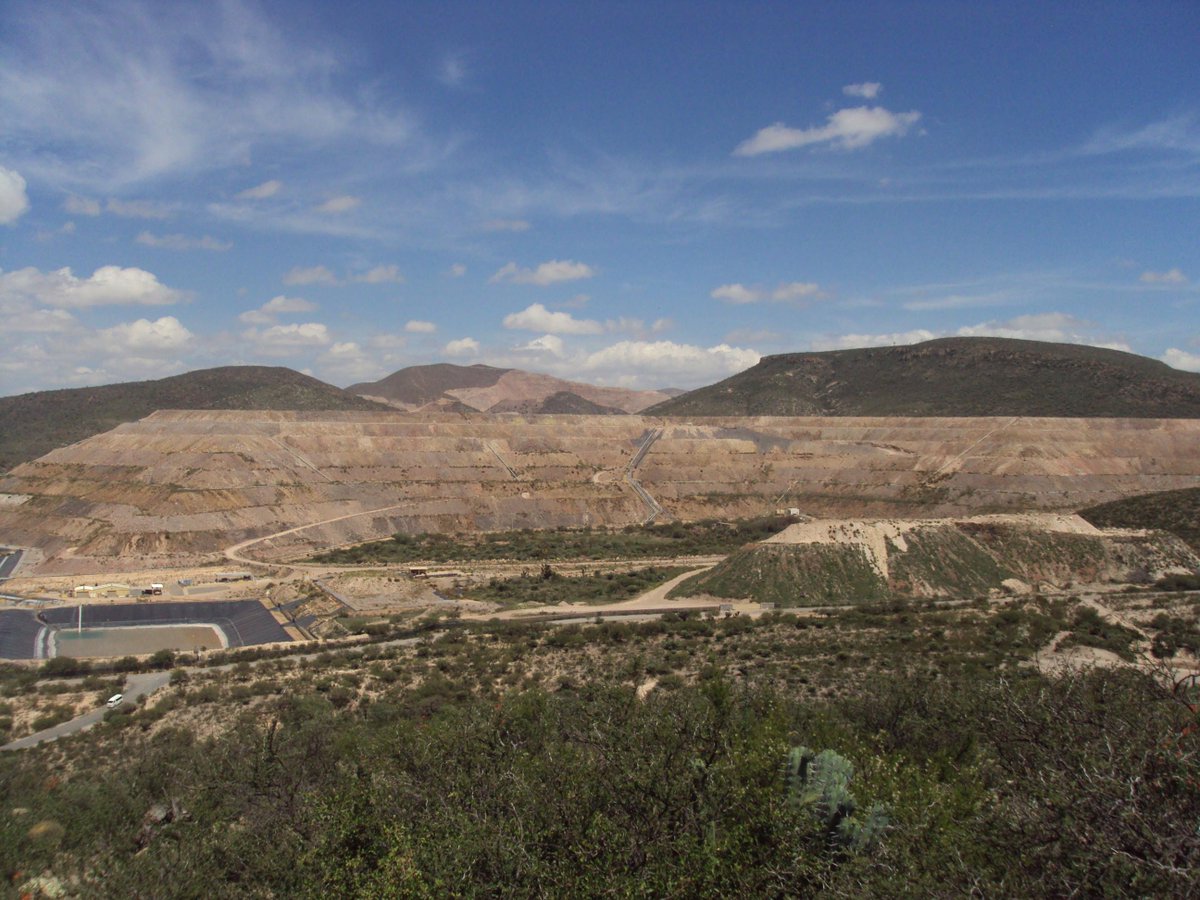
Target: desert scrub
(549,586)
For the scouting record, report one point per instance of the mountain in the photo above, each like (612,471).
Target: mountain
(36,423)
(489,389)
(951,377)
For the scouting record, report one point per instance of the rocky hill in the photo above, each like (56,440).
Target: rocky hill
(36,423)
(490,389)
(951,377)
(848,561)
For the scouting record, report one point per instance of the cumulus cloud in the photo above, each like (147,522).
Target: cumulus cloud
(339,204)
(143,336)
(261,191)
(285,338)
(276,306)
(43,321)
(1056,327)
(462,347)
(868,90)
(1181,359)
(182,242)
(537,318)
(309,275)
(346,361)
(107,286)
(506,225)
(552,272)
(381,275)
(415,326)
(789,292)
(547,343)
(14,202)
(458,270)
(1171,276)
(667,358)
(846,129)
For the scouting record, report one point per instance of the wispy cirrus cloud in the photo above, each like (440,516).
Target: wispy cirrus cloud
(847,129)
(106,94)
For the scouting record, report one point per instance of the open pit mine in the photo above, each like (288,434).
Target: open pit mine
(184,488)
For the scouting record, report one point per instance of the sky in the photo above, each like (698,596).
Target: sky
(640,194)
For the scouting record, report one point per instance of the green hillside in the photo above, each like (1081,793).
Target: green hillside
(35,424)
(951,377)
(1175,511)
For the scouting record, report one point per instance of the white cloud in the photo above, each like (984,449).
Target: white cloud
(339,204)
(506,225)
(847,129)
(182,242)
(107,286)
(1171,276)
(789,292)
(289,337)
(346,361)
(458,270)
(159,91)
(736,293)
(82,206)
(547,343)
(261,191)
(462,347)
(276,306)
(1051,326)
(794,291)
(1056,327)
(143,336)
(1181,359)
(126,209)
(958,301)
(14,202)
(868,90)
(137,209)
(668,359)
(854,341)
(310,275)
(552,272)
(415,326)
(537,318)
(43,321)
(381,275)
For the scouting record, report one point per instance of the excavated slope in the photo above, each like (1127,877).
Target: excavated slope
(177,487)
(849,560)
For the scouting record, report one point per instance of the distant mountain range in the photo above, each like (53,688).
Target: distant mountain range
(951,377)
(493,390)
(34,424)
(948,377)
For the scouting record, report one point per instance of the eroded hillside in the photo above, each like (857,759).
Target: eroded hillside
(855,561)
(178,487)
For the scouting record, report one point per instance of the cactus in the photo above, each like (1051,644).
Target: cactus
(820,783)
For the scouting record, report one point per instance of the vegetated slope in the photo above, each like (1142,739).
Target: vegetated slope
(1175,511)
(36,423)
(951,377)
(488,389)
(861,561)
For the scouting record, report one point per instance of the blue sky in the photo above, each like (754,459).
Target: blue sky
(643,194)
